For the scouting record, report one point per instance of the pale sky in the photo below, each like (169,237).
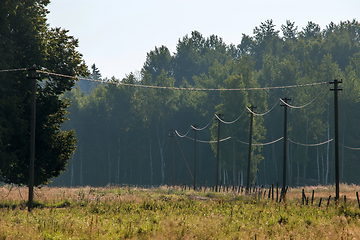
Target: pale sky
(116,35)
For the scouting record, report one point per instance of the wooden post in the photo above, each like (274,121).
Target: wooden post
(328,202)
(303,197)
(250,149)
(195,156)
(285,140)
(312,197)
(336,89)
(33,76)
(218,154)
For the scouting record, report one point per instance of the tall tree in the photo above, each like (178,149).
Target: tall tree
(27,40)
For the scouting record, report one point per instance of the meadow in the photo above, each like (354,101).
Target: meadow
(174,213)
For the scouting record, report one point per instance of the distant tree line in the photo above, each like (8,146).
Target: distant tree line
(123,131)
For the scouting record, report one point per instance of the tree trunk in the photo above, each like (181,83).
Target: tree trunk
(289,164)
(306,149)
(327,149)
(317,163)
(119,156)
(274,158)
(81,172)
(234,162)
(72,170)
(323,168)
(342,157)
(327,157)
(109,163)
(242,178)
(161,148)
(298,170)
(151,165)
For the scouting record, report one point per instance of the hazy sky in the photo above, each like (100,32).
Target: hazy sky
(117,34)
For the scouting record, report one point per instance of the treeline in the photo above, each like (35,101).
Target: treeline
(123,131)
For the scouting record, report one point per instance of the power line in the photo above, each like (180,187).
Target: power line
(262,114)
(177,133)
(305,104)
(181,88)
(170,88)
(311,145)
(229,122)
(14,70)
(261,144)
(202,141)
(200,129)
(351,148)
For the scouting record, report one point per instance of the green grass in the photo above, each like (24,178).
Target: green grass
(170,213)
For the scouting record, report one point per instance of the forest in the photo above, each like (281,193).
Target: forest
(125,127)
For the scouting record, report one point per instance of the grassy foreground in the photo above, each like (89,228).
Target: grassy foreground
(171,213)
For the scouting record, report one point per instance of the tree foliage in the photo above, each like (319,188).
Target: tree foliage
(26,40)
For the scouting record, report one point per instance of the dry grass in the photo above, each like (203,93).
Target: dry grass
(171,213)
(325,191)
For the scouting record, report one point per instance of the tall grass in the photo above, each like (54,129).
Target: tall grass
(172,213)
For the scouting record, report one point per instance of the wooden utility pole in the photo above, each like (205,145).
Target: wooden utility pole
(218,154)
(33,77)
(285,141)
(194,128)
(336,89)
(250,147)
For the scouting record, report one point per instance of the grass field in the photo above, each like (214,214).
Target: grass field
(173,213)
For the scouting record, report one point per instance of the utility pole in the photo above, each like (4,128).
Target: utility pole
(336,89)
(194,128)
(250,146)
(218,153)
(285,141)
(33,77)
(172,151)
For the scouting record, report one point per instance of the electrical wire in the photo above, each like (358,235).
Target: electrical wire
(261,144)
(305,104)
(180,88)
(200,129)
(262,114)
(229,122)
(220,89)
(351,148)
(177,133)
(202,141)
(14,70)
(311,145)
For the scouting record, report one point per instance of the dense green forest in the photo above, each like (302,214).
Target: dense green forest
(123,131)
